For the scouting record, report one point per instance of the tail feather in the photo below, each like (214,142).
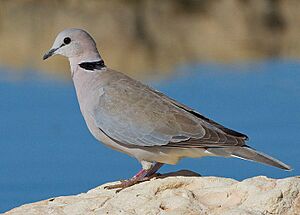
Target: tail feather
(247,153)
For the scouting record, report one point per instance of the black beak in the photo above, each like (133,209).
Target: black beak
(49,54)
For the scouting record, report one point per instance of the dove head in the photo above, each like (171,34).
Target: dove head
(75,44)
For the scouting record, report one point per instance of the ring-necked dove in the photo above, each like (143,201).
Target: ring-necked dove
(135,119)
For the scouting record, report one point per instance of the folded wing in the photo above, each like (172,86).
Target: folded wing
(136,115)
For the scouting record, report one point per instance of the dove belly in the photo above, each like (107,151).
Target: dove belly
(168,155)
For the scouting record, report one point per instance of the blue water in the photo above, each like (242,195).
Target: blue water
(47,151)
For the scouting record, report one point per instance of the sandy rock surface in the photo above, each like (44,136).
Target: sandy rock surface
(185,194)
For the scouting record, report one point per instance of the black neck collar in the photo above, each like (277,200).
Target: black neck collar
(95,65)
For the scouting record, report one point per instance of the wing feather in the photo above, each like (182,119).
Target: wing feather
(136,115)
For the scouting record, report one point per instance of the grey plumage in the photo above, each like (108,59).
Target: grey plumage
(131,117)
(134,115)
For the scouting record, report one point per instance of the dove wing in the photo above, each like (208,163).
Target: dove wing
(133,114)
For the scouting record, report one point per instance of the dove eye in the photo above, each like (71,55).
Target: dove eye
(67,40)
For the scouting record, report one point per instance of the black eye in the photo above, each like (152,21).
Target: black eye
(67,40)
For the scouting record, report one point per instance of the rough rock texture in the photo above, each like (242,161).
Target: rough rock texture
(187,194)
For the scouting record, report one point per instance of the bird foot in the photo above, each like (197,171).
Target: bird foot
(122,185)
(128,183)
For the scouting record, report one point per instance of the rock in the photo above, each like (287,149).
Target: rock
(183,193)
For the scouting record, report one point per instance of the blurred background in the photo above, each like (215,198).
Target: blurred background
(235,61)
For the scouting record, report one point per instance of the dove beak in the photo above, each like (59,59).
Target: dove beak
(49,53)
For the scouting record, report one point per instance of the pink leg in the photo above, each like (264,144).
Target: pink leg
(154,169)
(142,175)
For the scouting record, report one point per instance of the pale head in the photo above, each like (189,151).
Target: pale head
(75,44)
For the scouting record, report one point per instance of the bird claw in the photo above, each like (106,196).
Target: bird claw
(120,186)
(128,183)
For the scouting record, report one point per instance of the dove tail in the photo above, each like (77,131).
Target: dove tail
(245,152)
